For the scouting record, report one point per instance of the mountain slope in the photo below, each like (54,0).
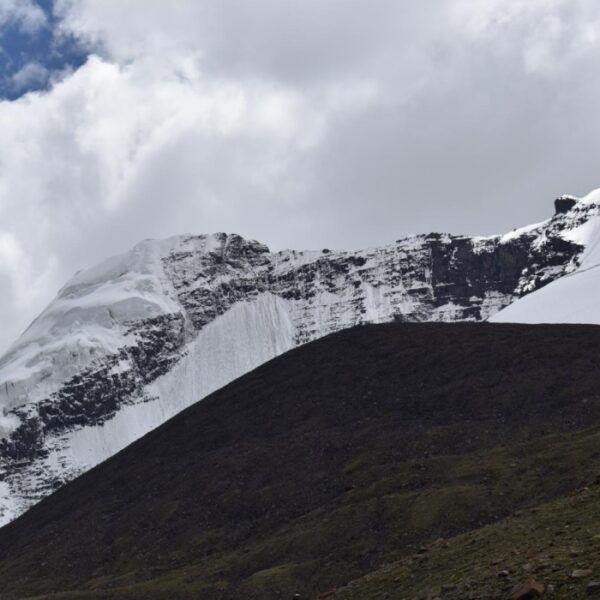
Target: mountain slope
(547,543)
(132,341)
(322,465)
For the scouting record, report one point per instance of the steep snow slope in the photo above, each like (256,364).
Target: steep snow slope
(87,321)
(248,335)
(574,298)
(130,342)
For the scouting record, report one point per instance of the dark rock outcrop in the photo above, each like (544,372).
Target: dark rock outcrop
(564,204)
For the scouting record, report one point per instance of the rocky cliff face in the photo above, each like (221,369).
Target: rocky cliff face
(129,343)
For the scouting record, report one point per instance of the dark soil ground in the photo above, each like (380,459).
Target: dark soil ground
(336,467)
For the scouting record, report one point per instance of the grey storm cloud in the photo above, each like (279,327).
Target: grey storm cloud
(303,124)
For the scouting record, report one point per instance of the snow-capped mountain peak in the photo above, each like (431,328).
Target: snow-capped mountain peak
(130,342)
(574,297)
(88,321)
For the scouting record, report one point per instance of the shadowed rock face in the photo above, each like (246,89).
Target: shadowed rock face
(194,283)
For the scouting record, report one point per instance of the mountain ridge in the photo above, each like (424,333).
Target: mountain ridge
(130,342)
(572,298)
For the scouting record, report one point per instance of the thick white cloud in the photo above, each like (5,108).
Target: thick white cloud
(306,124)
(116,153)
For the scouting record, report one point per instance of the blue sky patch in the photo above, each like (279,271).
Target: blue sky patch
(29,58)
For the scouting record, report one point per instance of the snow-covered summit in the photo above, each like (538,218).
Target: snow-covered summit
(130,342)
(575,297)
(86,322)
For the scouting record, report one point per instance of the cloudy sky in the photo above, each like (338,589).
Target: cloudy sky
(302,123)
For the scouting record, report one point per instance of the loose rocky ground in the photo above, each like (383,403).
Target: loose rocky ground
(550,550)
